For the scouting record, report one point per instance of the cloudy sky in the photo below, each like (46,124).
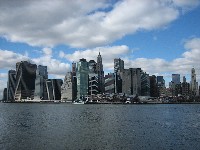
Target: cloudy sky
(160,36)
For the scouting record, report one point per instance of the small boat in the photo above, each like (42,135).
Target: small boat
(78,102)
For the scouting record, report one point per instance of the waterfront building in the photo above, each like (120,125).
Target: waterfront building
(118,68)
(67,88)
(161,86)
(153,86)
(25,80)
(94,85)
(110,83)
(54,89)
(82,71)
(131,81)
(5,94)
(40,86)
(185,87)
(175,85)
(145,84)
(100,72)
(194,83)
(74,82)
(11,85)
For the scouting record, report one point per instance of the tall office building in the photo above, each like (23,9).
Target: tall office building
(118,65)
(93,78)
(161,86)
(53,87)
(67,88)
(82,71)
(40,86)
(110,83)
(185,87)
(100,72)
(25,80)
(145,84)
(194,83)
(118,68)
(131,81)
(176,78)
(153,86)
(4,94)
(11,85)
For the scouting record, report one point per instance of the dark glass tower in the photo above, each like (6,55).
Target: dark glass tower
(25,80)
(11,85)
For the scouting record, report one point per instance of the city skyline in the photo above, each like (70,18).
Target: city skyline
(162,40)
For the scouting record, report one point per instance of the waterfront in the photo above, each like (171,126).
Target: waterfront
(67,126)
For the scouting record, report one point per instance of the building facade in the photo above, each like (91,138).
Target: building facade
(82,71)
(100,72)
(110,83)
(25,80)
(131,81)
(40,86)
(54,89)
(145,84)
(118,68)
(67,88)
(11,85)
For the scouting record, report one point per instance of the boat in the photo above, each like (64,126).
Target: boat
(78,102)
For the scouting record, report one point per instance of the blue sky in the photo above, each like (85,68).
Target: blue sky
(161,37)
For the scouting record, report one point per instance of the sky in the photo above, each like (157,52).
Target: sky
(160,36)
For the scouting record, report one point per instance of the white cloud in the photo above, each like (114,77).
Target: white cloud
(8,59)
(84,23)
(108,53)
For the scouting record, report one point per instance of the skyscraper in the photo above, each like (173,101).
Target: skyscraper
(194,83)
(110,83)
(54,89)
(67,88)
(118,65)
(118,68)
(11,84)
(185,87)
(82,71)
(175,85)
(100,73)
(40,86)
(176,78)
(131,81)
(161,85)
(25,80)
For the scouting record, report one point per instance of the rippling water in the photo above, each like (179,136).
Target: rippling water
(65,126)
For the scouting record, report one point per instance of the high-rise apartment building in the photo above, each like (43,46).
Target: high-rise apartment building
(11,85)
(25,80)
(82,71)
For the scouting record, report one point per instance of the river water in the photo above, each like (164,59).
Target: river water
(113,127)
